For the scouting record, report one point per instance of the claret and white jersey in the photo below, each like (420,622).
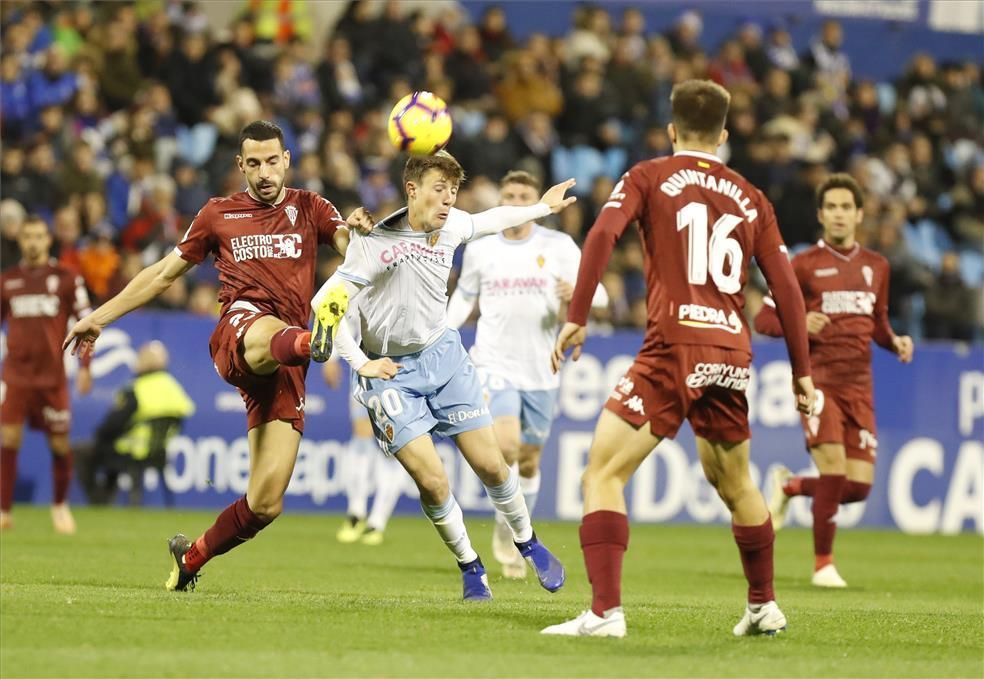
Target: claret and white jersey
(515,281)
(405,275)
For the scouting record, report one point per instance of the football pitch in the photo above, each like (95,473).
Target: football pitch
(294,602)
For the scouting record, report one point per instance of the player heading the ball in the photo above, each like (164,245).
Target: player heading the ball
(415,376)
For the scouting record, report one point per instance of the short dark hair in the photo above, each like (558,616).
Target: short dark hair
(840,180)
(699,109)
(442,161)
(261,130)
(521,177)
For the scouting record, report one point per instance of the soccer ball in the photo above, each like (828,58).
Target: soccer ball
(420,124)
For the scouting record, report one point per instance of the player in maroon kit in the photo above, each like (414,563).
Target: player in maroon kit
(700,222)
(37,298)
(265,242)
(846,292)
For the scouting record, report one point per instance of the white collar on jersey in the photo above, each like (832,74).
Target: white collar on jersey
(832,250)
(699,154)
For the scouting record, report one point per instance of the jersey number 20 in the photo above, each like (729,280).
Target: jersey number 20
(713,255)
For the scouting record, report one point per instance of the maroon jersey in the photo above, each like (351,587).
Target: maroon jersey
(36,303)
(700,224)
(265,254)
(851,287)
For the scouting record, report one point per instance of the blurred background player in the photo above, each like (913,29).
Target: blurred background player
(133,436)
(403,266)
(265,241)
(521,279)
(365,468)
(846,291)
(703,222)
(37,299)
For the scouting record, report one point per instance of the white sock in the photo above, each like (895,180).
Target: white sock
(450,525)
(509,502)
(358,466)
(389,475)
(530,488)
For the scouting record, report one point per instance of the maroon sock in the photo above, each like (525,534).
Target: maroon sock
(291,346)
(61,476)
(235,525)
(8,476)
(855,491)
(800,485)
(825,503)
(604,539)
(755,546)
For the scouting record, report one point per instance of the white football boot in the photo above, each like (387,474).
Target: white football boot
(828,577)
(778,500)
(590,625)
(761,619)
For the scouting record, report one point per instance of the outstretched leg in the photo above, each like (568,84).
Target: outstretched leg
(272,452)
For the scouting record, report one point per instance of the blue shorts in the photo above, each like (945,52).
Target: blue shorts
(437,390)
(534,408)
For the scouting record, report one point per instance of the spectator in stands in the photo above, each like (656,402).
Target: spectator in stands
(15,97)
(950,304)
(12,217)
(524,90)
(496,39)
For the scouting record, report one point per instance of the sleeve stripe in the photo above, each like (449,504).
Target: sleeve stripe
(358,280)
(466,292)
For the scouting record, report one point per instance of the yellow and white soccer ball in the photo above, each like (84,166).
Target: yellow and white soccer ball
(420,124)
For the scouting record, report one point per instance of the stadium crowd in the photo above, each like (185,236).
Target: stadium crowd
(119,120)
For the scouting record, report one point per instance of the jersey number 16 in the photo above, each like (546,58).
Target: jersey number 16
(711,255)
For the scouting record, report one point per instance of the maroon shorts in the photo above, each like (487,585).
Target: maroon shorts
(44,408)
(703,384)
(277,396)
(845,415)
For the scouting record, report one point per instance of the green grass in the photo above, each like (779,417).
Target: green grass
(296,603)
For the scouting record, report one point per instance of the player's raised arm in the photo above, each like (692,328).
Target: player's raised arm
(144,287)
(621,209)
(498,219)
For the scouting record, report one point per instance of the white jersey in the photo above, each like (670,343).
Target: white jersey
(516,281)
(404,274)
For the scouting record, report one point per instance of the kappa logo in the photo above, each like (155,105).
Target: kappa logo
(635,404)
(868,274)
(824,273)
(291,214)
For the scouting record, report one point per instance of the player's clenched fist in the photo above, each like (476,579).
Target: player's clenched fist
(816,321)
(903,348)
(82,336)
(361,220)
(383,368)
(571,335)
(806,395)
(554,196)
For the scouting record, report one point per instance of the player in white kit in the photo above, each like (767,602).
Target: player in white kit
(402,273)
(363,470)
(520,279)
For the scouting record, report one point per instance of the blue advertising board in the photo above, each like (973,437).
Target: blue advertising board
(930,469)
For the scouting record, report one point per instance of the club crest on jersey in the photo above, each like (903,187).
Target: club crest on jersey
(388,432)
(433,238)
(868,274)
(540,261)
(291,214)
(52,283)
